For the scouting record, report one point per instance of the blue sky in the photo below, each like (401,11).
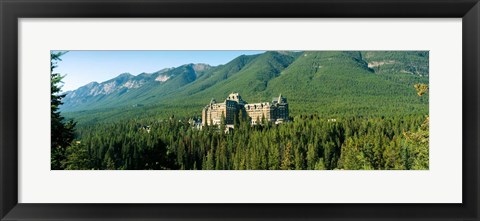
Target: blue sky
(83,67)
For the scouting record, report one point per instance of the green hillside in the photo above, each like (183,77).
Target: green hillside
(251,80)
(388,62)
(328,83)
(339,83)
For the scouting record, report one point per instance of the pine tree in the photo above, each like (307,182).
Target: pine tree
(62,133)
(287,163)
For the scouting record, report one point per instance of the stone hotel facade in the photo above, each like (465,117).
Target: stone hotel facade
(276,111)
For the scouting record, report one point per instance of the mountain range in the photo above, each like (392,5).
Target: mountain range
(328,82)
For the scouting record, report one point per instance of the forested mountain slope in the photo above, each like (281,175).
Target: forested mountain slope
(331,83)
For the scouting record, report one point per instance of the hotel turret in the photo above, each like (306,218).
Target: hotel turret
(275,111)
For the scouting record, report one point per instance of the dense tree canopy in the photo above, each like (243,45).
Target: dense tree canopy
(62,132)
(309,142)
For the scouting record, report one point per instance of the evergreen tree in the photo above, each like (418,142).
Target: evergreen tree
(62,133)
(287,163)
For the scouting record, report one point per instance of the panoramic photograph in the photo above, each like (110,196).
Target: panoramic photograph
(239,110)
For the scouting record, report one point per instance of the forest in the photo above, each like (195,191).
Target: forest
(384,128)
(307,143)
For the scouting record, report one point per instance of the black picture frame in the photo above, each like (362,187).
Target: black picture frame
(12,10)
